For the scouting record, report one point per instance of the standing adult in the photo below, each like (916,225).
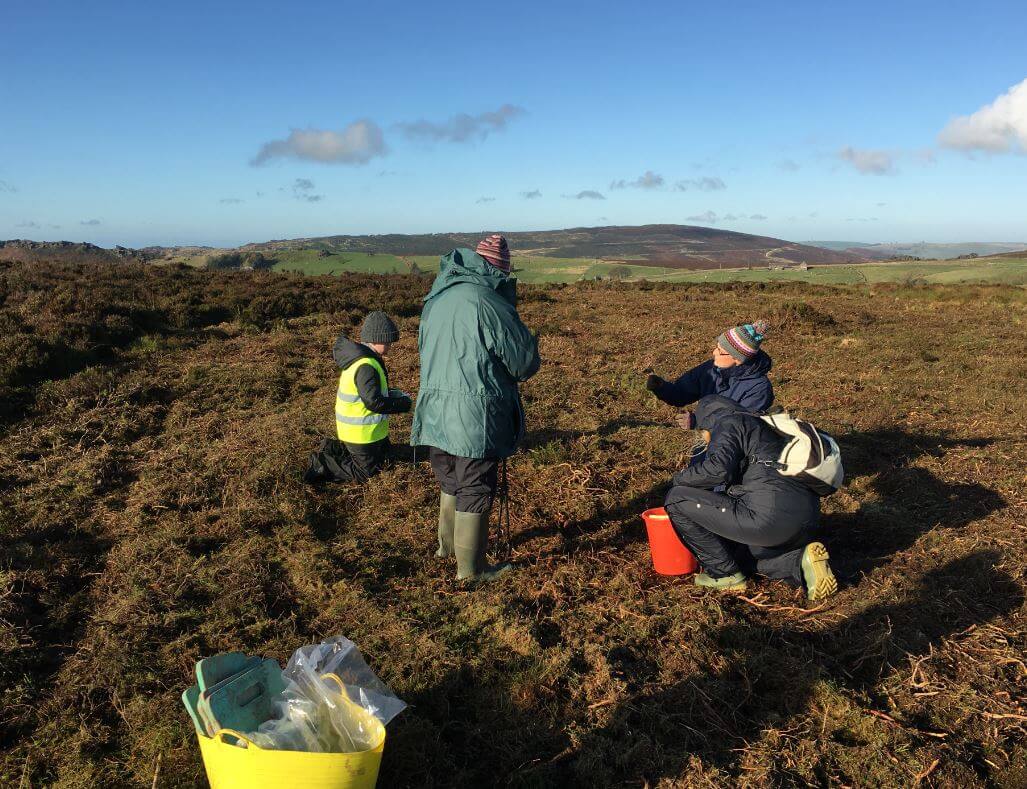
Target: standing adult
(474,352)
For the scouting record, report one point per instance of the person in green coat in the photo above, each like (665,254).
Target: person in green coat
(474,352)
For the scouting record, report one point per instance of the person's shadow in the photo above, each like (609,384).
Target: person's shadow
(772,675)
(902,501)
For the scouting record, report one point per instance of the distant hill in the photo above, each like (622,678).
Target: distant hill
(24,251)
(667,246)
(923,249)
(671,246)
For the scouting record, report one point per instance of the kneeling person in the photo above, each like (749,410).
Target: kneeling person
(362,406)
(764,518)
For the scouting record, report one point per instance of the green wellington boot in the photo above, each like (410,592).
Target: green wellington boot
(471,537)
(820,581)
(729,583)
(447,522)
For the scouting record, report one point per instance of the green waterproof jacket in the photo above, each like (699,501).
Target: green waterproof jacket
(474,351)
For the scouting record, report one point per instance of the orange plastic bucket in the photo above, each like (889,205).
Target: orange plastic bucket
(670,556)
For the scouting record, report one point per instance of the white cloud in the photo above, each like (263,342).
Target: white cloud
(757,217)
(587,194)
(30,223)
(868,161)
(534,194)
(705,184)
(358,143)
(647,180)
(707,217)
(6,187)
(462,127)
(999,127)
(90,222)
(485,200)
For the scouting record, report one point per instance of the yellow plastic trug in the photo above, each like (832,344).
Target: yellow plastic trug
(231,767)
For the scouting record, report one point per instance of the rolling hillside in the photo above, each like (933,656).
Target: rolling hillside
(668,246)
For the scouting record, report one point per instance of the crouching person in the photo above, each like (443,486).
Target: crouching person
(362,407)
(737,370)
(474,352)
(764,519)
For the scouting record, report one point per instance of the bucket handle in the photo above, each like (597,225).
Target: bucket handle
(219,736)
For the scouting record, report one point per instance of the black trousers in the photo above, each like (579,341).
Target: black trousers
(727,537)
(472,480)
(336,461)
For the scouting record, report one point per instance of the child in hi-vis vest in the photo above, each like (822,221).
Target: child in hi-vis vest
(362,406)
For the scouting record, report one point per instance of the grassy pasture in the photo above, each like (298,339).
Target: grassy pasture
(154,423)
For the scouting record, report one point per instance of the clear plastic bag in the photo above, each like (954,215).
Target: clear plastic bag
(311,713)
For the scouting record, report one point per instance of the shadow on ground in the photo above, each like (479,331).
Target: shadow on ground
(458,726)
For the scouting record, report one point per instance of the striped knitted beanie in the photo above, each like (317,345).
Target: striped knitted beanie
(495,251)
(743,342)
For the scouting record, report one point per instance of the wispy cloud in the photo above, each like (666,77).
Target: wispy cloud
(302,189)
(230,201)
(998,127)
(358,143)
(868,161)
(29,223)
(705,184)
(485,200)
(462,127)
(6,187)
(757,217)
(647,180)
(789,165)
(90,222)
(707,217)
(587,194)
(534,194)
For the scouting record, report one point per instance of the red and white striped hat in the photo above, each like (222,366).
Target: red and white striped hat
(495,251)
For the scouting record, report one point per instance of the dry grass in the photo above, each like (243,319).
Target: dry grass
(151,511)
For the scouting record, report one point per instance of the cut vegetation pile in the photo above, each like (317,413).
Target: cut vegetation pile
(155,427)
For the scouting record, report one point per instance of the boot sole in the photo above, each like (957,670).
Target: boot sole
(820,581)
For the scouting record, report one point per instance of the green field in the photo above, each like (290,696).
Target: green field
(541,270)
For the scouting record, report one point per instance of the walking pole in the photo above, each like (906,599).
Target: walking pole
(504,510)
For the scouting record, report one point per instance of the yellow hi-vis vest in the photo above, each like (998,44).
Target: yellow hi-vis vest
(353,422)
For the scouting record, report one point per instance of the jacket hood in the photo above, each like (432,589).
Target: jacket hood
(346,351)
(712,408)
(466,266)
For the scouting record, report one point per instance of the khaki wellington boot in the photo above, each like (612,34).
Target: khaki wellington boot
(470,542)
(729,583)
(820,581)
(447,523)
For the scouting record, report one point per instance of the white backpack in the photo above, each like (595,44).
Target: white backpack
(810,455)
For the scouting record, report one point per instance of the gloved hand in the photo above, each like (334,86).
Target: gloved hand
(406,402)
(686,420)
(653,382)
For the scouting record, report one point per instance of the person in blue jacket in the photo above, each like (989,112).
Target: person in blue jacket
(737,371)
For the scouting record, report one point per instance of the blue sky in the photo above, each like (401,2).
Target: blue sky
(136,124)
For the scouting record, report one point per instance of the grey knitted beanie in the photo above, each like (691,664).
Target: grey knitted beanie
(379,329)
